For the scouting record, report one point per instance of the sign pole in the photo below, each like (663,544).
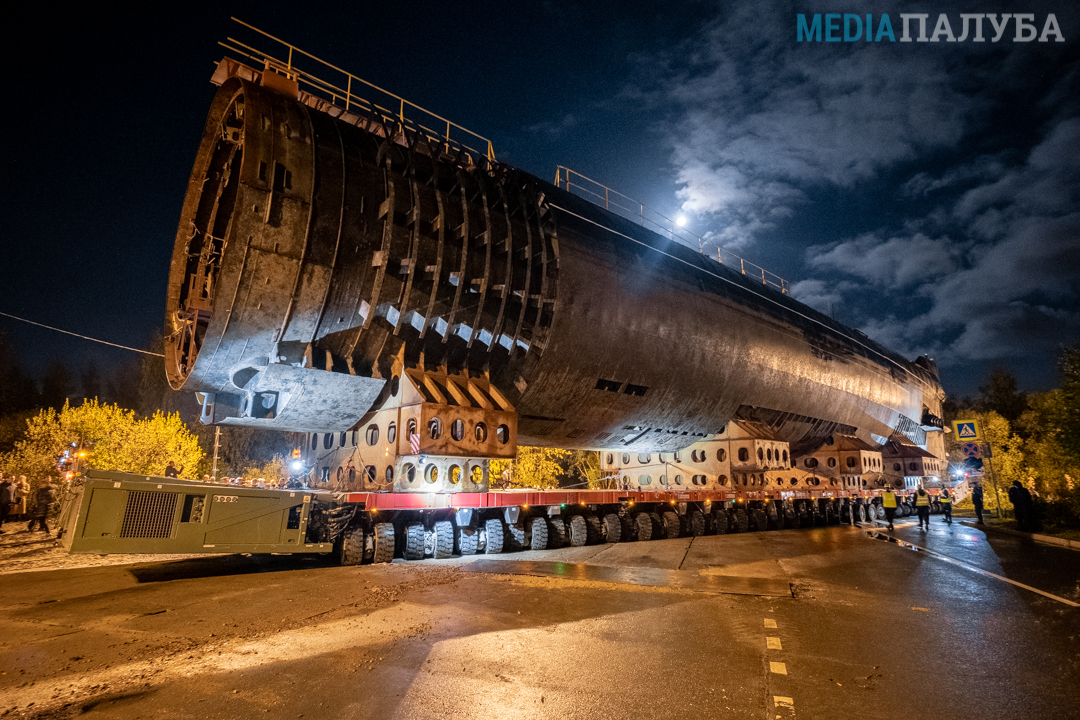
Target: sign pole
(217,444)
(993,479)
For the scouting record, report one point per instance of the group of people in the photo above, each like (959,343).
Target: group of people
(16,502)
(1023,507)
(921,502)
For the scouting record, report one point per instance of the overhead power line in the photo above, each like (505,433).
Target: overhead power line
(84,337)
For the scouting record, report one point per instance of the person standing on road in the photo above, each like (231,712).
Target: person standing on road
(922,506)
(888,502)
(7,497)
(1021,501)
(946,505)
(22,492)
(977,500)
(43,500)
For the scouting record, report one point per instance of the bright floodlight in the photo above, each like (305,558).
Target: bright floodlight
(680,221)
(297,465)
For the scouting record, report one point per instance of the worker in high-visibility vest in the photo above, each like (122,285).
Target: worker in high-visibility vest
(922,506)
(888,502)
(946,505)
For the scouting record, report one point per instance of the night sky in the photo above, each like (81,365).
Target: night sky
(926,193)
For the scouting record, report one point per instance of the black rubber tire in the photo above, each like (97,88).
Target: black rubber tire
(720,521)
(414,542)
(740,521)
(628,528)
(594,529)
(860,511)
(468,540)
(672,526)
(879,512)
(538,533)
(761,520)
(845,513)
(579,531)
(644,526)
(697,523)
(444,540)
(832,517)
(493,530)
(351,546)
(384,543)
(657,525)
(791,518)
(612,528)
(514,537)
(776,517)
(556,533)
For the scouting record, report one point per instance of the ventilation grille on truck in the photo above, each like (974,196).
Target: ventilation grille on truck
(149,514)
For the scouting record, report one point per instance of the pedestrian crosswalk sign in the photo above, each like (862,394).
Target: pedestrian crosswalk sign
(967,430)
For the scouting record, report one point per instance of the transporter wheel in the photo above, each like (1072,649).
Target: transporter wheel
(721,522)
(351,546)
(493,530)
(644,526)
(579,531)
(862,513)
(776,517)
(514,537)
(672,527)
(791,518)
(468,540)
(657,525)
(538,533)
(845,513)
(628,528)
(760,520)
(384,543)
(697,523)
(830,514)
(612,528)
(414,542)
(444,540)
(879,512)
(594,530)
(556,533)
(740,522)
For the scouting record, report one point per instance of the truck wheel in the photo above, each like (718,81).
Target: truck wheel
(761,520)
(384,543)
(721,521)
(672,527)
(351,546)
(657,525)
(579,531)
(414,542)
(493,528)
(879,512)
(514,537)
(612,528)
(594,530)
(444,540)
(539,534)
(861,510)
(468,539)
(776,517)
(643,523)
(628,528)
(741,523)
(697,523)
(556,533)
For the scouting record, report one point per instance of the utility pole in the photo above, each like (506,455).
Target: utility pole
(217,445)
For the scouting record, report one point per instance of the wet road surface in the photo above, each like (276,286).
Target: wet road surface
(867,629)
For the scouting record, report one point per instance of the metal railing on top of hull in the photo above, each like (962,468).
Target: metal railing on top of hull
(624,206)
(350,103)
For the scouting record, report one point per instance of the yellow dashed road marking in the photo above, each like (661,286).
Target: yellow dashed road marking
(770,623)
(778,668)
(773,643)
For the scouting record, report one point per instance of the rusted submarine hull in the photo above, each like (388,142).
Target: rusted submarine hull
(316,258)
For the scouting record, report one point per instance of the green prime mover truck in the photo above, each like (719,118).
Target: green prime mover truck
(115,512)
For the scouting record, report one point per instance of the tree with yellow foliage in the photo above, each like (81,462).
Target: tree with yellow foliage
(534,467)
(112,438)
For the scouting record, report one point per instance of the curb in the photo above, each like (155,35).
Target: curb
(1048,539)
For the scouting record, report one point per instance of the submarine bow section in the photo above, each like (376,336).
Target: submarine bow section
(317,259)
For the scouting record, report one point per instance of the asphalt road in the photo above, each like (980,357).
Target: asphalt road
(838,625)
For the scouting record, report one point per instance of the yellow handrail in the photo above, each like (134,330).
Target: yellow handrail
(339,94)
(631,209)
